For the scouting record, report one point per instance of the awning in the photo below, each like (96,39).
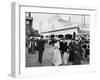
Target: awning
(83,32)
(35,33)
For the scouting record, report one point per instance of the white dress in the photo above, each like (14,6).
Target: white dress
(66,54)
(57,55)
(65,57)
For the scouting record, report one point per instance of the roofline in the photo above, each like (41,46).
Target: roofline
(59,30)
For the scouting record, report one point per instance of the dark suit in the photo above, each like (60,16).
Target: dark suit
(40,47)
(63,47)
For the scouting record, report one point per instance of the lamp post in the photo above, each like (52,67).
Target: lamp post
(83,21)
(40,27)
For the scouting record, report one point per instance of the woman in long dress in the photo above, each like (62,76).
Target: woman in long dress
(66,53)
(66,57)
(57,55)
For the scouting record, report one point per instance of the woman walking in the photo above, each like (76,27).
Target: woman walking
(57,55)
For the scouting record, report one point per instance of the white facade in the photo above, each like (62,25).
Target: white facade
(69,31)
(63,32)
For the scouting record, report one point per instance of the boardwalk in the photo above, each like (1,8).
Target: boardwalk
(32,59)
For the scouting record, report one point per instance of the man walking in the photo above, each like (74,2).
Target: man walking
(40,47)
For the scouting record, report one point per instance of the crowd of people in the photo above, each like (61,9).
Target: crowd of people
(65,48)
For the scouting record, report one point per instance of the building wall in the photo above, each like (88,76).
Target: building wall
(69,31)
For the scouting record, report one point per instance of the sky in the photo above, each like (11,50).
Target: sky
(48,22)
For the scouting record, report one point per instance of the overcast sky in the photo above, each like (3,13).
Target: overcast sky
(48,22)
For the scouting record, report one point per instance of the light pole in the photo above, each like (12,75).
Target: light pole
(83,21)
(40,26)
